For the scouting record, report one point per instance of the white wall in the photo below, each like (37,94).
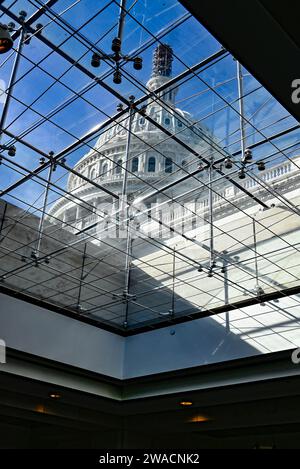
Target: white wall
(35,330)
(194,343)
(41,332)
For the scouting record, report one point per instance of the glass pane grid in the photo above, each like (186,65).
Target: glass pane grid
(169,196)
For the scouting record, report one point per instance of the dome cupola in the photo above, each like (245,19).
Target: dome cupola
(162,72)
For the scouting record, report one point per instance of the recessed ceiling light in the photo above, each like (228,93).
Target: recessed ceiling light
(40,408)
(199,419)
(54,395)
(185,403)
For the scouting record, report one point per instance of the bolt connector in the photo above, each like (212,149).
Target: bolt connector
(116,58)
(11,149)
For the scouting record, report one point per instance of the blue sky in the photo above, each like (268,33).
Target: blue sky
(191,44)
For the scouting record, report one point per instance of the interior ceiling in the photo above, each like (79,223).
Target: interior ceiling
(236,248)
(255,413)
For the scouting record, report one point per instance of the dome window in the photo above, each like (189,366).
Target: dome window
(151,164)
(167,121)
(168,165)
(135,165)
(179,123)
(104,170)
(119,167)
(142,121)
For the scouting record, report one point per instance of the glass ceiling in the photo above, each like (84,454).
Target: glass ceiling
(181,203)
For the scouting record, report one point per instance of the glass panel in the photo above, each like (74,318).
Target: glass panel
(200,214)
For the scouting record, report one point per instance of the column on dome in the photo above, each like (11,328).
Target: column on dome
(63,218)
(111,165)
(160,160)
(70,217)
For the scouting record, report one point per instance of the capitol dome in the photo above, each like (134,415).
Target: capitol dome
(152,154)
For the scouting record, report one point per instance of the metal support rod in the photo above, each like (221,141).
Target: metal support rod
(255,253)
(81,276)
(226,291)
(122,20)
(127,260)
(12,80)
(173,283)
(227,128)
(3,219)
(211,217)
(240,80)
(213,107)
(127,159)
(36,252)
(127,217)
(127,273)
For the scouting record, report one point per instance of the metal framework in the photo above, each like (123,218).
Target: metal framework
(143,282)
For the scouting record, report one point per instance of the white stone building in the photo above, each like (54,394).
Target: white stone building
(155,160)
(153,157)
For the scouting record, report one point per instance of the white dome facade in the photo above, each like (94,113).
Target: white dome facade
(148,152)
(152,156)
